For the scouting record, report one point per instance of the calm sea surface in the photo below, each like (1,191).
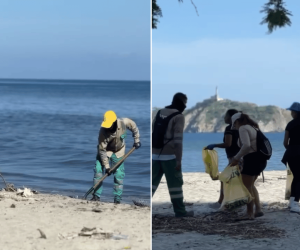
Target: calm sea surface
(49,132)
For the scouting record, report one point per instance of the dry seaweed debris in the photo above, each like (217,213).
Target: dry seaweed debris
(217,223)
(8,186)
(140,203)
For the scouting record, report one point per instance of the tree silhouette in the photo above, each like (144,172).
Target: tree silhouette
(277,16)
(156,13)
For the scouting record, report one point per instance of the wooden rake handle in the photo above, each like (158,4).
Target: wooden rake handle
(114,167)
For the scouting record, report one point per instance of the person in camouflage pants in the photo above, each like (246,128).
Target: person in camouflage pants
(111,149)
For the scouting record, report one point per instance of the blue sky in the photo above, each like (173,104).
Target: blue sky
(75,39)
(225,46)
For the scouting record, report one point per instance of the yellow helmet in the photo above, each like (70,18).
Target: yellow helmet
(109,118)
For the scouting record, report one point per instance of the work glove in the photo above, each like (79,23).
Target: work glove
(211,146)
(107,171)
(137,145)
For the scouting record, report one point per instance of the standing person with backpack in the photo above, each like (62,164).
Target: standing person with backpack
(291,156)
(167,135)
(230,144)
(251,142)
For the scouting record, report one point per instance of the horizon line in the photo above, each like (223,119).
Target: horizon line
(91,80)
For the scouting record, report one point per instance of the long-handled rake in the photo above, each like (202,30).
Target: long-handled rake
(112,169)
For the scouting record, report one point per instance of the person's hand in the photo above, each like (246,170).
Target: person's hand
(107,171)
(211,146)
(178,166)
(234,162)
(137,145)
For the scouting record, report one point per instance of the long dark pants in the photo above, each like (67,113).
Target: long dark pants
(174,182)
(294,164)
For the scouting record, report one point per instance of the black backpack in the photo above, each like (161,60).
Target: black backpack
(160,129)
(263,145)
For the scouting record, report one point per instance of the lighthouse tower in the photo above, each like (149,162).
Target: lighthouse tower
(217,95)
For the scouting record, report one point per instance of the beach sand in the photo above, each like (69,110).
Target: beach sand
(278,228)
(62,218)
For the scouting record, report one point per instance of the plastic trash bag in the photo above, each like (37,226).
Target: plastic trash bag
(288,185)
(210,159)
(235,192)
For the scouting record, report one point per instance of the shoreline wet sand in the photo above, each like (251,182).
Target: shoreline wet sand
(46,221)
(211,228)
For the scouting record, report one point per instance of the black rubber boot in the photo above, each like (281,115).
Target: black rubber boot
(188,214)
(95,198)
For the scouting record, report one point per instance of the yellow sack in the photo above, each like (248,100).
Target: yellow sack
(235,192)
(210,159)
(288,185)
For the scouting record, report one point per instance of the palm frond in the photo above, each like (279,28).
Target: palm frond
(277,16)
(157,13)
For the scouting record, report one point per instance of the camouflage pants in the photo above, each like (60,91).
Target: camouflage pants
(119,175)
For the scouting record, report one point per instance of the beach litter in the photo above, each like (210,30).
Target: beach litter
(26,192)
(96,210)
(17,194)
(67,236)
(8,186)
(96,233)
(43,235)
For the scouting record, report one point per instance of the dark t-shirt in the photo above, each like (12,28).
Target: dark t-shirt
(234,148)
(294,131)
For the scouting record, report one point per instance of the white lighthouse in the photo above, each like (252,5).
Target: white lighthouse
(217,95)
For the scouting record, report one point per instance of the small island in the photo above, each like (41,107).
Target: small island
(208,116)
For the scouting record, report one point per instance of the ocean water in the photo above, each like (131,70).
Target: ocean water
(194,143)
(49,134)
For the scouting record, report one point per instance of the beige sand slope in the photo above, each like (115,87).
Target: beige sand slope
(202,191)
(62,218)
